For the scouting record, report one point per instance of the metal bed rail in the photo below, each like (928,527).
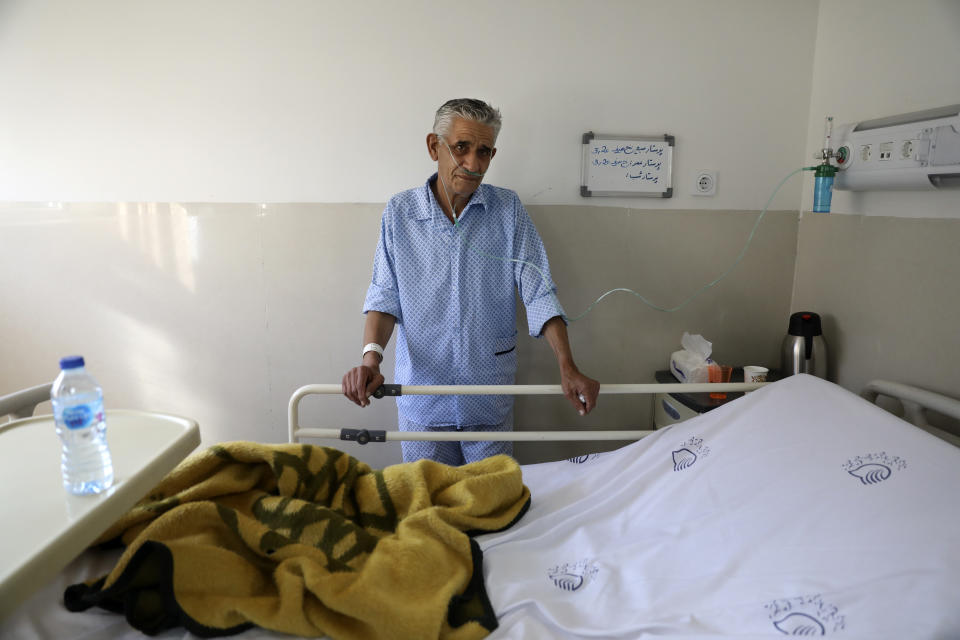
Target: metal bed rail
(915,403)
(22,404)
(365,435)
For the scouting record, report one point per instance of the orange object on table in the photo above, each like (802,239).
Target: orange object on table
(719,373)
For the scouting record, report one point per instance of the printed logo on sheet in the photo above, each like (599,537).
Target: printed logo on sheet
(874,468)
(805,616)
(689,452)
(574,576)
(581,459)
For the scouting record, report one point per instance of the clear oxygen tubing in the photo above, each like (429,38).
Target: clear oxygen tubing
(716,280)
(695,294)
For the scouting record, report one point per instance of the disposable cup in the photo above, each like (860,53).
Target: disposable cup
(752,373)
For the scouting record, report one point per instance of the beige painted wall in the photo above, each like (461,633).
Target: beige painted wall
(883,267)
(666,257)
(220,311)
(889,291)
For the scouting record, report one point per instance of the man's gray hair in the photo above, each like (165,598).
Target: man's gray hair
(469,109)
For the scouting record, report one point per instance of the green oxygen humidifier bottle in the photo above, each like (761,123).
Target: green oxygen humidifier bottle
(823,187)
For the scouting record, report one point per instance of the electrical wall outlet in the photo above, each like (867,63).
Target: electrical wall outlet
(705,183)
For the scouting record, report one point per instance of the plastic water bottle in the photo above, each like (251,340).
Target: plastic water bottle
(78,412)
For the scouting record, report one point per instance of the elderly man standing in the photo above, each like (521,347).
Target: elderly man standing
(448,259)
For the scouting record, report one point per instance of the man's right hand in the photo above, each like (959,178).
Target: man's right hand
(360,382)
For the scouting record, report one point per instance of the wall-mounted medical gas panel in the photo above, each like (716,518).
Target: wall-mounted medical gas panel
(919,150)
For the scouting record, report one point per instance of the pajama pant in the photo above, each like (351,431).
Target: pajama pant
(454,453)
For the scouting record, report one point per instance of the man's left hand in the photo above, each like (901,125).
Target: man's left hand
(576,386)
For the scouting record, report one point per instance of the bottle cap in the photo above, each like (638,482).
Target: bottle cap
(71,362)
(805,323)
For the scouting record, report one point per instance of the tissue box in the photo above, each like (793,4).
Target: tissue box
(687,366)
(691,364)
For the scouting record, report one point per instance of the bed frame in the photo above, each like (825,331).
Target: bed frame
(21,404)
(363,436)
(915,402)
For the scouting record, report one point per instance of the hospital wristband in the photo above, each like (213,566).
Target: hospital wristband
(373,346)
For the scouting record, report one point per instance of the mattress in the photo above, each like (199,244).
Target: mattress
(799,509)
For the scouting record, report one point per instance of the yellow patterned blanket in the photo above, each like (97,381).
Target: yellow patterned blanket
(310,541)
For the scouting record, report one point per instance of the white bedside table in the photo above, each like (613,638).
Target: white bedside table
(44,527)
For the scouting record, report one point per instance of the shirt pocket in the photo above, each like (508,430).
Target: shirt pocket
(504,356)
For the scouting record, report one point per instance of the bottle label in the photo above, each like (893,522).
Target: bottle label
(78,417)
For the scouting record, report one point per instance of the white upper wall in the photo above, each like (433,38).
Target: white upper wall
(310,101)
(877,58)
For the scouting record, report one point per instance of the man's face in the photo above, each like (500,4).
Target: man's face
(470,146)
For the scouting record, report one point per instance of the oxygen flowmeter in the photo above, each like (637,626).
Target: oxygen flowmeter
(825,172)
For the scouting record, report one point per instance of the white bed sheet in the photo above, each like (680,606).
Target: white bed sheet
(799,508)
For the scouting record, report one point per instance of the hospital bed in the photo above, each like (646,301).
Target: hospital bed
(798,509)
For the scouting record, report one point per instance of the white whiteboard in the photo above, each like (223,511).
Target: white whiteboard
(627,166)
